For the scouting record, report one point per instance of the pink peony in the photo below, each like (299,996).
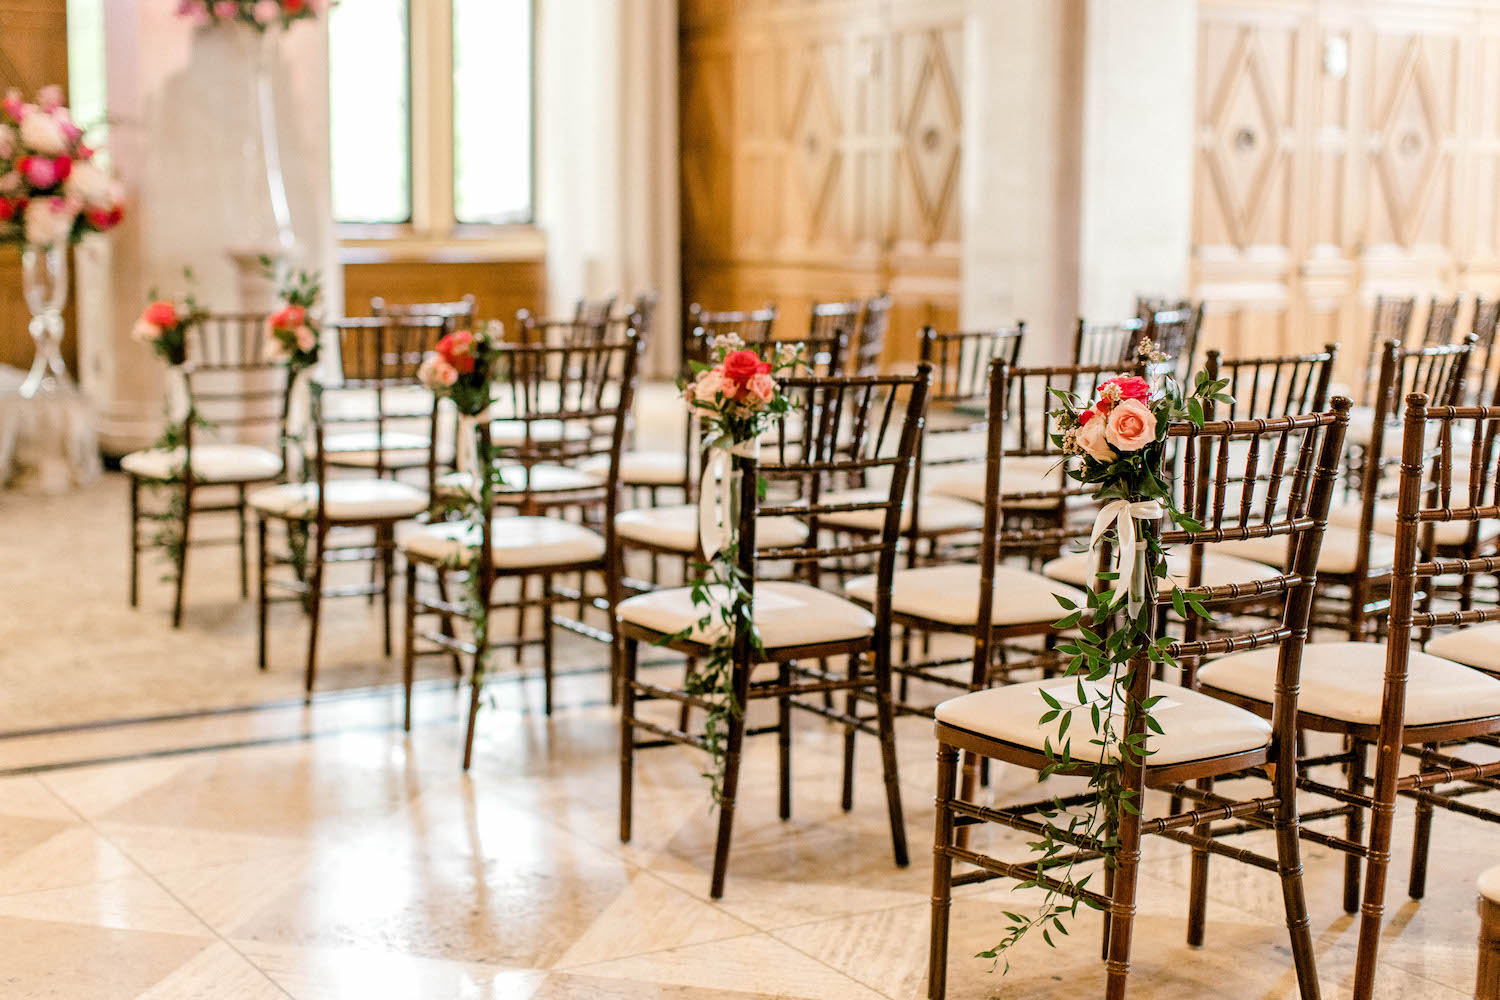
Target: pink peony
(49,98)
(40,172)
(226,10)
(762,387)
(1131,425)
(1091,441)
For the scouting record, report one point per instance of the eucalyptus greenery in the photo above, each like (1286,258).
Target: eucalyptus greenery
(1105,645)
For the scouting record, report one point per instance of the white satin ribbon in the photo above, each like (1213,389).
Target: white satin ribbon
(1123,514)
(466,459)
(299,404)
(715,526)
(179,399)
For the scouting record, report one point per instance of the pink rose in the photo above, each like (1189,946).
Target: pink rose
(1131,425)
(265,11)
(710,383)
(1091,441)
(12,104)
(226,10)
(306,339)
(1129,387)
(762,387)
(49,98)
(41,172)
(144,332)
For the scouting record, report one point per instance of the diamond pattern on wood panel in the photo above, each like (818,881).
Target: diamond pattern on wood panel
(931,136)
(1410,144)
(1245,147)
(813,132)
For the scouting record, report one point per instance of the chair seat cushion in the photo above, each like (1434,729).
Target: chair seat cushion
(1017,475)
(1078,569)
(647,468)
(1346,681)
(1339,553)
(394,449)
(347,500)
(676,528)
(1476,646)
(787,614)
(1194,726)
(935,512)
(1346,516)
(950,594)
(515,542)
(212,463)
(543,479)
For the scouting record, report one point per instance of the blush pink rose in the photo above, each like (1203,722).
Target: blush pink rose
(762,387)
(306,339)
(225,10)
(1131,425)
(709,385)
(1091,441)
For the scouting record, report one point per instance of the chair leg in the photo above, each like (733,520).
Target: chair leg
(733,744)
(521,590)
(244,547)
(628,649)
(476,673)
(1122,902)
(474,692)
(135,542)
(1356,610)
(262,563)
(314,609)
(546,608)
(1372,911)
(445,620)
(1198,881)
(1421,842)
(182,551)
(408,654)
(685,712)
(1354,828)
(851,709)
(1289,868)
(942,874)
(886,723)
(385,542)
(784,741)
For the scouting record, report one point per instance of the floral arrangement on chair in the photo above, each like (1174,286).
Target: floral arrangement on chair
(1120,436)
(258,14)
(51,190)
(738,398)
(292,331)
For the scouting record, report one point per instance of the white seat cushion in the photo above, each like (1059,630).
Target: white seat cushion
(951,594)
(676,528)
(787,614)
(543,479)
(360,449)
(1017,475)
(1489,884)
(348,500)
(1194,726)
(1346,515)
(647,468)
(1477,646)
(1345,681)
(512,433)
(515,542)
(936,512)
(212,463)
(1078,569)
(1338,554)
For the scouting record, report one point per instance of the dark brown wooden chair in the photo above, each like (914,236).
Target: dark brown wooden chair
(1173,329)
(586,392)
(1201,738)
(848,425)
(1484,384)
(378,357)
(592,311)
(1105,343)
(869,341)
(458,314)
(1487,981)
(1390,319)
(1276,386)
(1400,702)
(240,392)
(1442,320)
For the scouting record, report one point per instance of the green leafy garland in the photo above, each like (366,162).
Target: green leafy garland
(1108,640)
(293,334)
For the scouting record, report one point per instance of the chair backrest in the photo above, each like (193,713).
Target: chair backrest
(579,331)
(869,344)
(848,427)
(595,310)
(1105,343)
(459,314)
(752,326)
(1430,493)
(827,317)
(238,385)
(1442,318)
(1174,332)
(640,317)
(1390,320)
(1486,316)
(1273,386)
(961,360)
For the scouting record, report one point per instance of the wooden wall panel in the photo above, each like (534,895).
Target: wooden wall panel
(499,287)
(33,53)
(1344,150)
(821,156)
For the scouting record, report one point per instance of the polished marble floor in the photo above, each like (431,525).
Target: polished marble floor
(207,835)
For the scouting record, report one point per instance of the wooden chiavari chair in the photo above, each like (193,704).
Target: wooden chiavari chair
(1272,386)
(1358,546)
(1106,343)
(1390,319)
(828,318)
(1400,702)
(459,314)
(579,331)
(1174,332)
(1486,316)
(586,391)
(869,344)
(378,357)
(593,311)
(1201,738)
(1442,319)
(233,382)
(849,425)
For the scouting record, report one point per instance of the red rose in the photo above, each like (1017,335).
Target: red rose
(162,314)
(741,366)
(102,218)
(8,209)
(289,318)
(457,348)
(61,168)
(1131,387)
(292,7)
(1087,415)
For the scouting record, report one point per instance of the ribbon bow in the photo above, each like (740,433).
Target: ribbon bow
(179,397)
(466,461)
(715,524)
(1123,514)
(299,404)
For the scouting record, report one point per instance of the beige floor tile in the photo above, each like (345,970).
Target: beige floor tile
(30,797)
(215,973)
(160,849)
(76,855)
(571,986)
(650,915)
(43,959)
(326,973)
(137,903)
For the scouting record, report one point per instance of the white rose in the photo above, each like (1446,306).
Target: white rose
(709,384)
(7,142)
(1092,443)
(90,186)
(49,221)
(43,133)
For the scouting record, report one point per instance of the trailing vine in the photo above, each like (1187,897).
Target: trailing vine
(294,335)
(1120,439)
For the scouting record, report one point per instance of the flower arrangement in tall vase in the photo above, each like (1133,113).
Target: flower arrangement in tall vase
(53,193)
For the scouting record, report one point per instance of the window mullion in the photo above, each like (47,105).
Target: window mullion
(432,117)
